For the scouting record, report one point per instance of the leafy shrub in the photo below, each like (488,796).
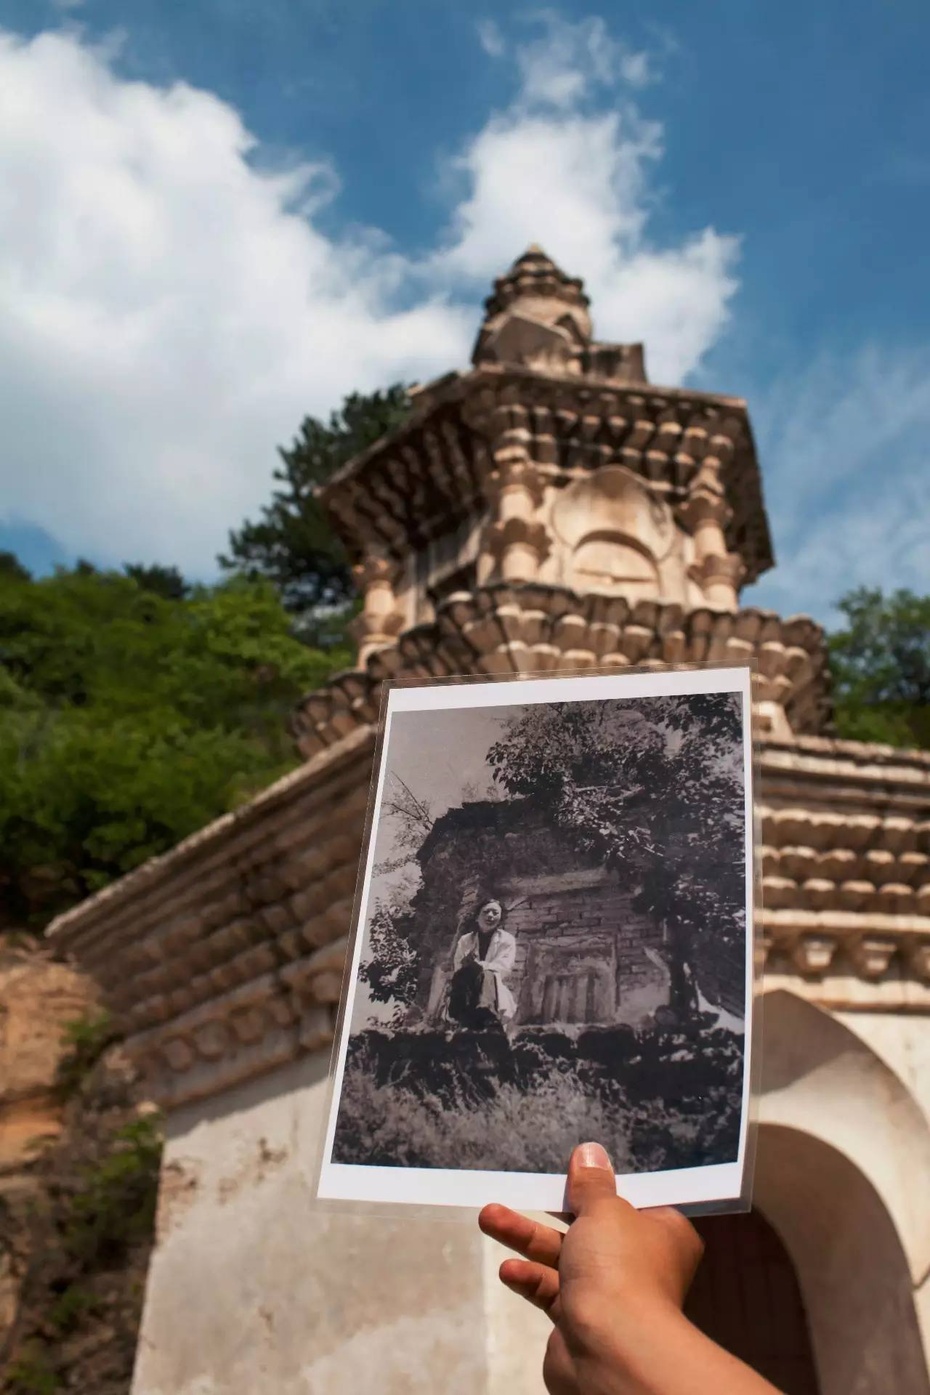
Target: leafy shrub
(32,1373)
(69,1310)
(114,1207)
(85,1040)
(657,1099)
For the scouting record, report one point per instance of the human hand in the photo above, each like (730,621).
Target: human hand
(612,1260)
(613,1285)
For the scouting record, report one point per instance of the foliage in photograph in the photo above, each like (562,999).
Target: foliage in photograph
(657,1099)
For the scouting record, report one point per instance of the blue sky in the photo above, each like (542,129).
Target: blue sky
(218,216)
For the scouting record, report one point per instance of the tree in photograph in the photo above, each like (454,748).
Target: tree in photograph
(656,791)
(292,544)
(881,667)
(412,817)
(390,966)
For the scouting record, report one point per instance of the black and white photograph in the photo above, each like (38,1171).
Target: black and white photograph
(554,944)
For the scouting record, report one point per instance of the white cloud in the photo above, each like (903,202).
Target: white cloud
(491,39)
(843,450)
(558,169)
(169,310)
(567,61)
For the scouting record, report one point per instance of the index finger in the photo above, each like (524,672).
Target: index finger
(528,1238)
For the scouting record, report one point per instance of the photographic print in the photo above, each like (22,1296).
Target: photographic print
(554,944)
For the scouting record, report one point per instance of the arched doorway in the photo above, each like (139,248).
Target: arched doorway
(746,1297)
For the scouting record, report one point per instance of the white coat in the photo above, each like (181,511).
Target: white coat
(502,951)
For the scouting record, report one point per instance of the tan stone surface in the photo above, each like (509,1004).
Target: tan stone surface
(861,1305)
(37,998)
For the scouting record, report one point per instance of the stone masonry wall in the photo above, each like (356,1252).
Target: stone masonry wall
(582,927)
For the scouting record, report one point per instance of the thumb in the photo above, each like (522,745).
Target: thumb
(590,1179)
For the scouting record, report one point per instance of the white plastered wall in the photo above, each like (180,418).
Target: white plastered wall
(255,1289)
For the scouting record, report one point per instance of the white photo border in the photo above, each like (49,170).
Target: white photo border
(715,1188)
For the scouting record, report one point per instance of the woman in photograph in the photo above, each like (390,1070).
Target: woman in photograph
(484,956)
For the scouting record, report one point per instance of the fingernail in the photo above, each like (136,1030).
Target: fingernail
(593,1155)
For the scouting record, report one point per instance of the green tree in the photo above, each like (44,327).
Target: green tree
(164,581)
(129,720)
(881,667)
(292,544)
(11,568)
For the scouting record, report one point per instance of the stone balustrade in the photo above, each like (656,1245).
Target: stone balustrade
(224,957)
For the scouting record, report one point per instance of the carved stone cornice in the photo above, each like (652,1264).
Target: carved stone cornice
(846,887)
(423,480)
(728,569)
(518,536)
(530,627)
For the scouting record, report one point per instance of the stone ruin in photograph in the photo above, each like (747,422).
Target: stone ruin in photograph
(585,956)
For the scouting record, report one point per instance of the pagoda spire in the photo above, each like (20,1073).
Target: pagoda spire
(535,275)
(536,315)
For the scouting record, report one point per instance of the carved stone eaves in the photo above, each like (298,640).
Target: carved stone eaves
(423,480)
(846,868)
(508,627)
(518,545)
(242,1033)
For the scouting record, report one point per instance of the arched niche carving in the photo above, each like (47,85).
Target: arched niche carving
(822,1079)
(841,1172)
(605,561)
(614,534)
(859,1297)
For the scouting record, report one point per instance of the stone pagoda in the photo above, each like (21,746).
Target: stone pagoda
(547,509)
